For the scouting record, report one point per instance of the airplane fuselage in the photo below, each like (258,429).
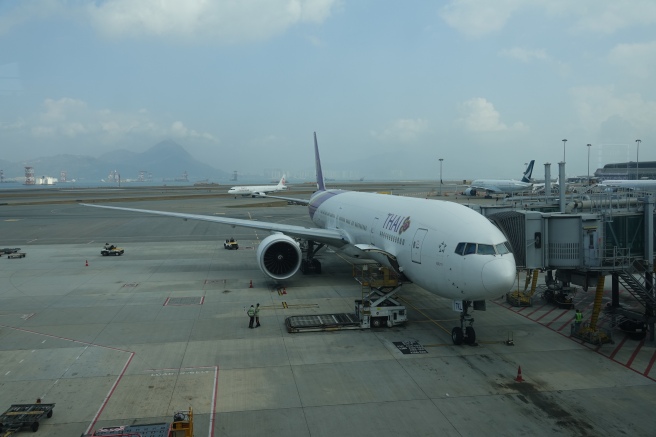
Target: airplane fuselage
(501,185)
(421,237)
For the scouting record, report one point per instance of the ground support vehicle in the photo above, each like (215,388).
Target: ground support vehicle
(112,250)
(8,250)
(23,415)
(182,426)
(16,255)
(378,308)
(231,244)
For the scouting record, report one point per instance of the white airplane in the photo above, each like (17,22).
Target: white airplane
(444,247)
(502,186)
(639,184)
(258,190)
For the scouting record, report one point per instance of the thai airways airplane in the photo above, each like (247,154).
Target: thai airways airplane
(444,247)
(502,186)
(257,190)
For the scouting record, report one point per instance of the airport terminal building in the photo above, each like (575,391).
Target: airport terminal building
(627,170)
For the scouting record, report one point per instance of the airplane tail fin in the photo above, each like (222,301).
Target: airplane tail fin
(528,172)
(321,185)
(282,182)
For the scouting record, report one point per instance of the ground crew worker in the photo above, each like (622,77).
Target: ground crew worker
(257,315)
(578,318)
(251,315)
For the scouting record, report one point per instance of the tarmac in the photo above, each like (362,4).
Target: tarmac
(134,338)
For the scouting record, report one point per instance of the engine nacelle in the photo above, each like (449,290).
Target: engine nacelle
(470,192)
(279,256)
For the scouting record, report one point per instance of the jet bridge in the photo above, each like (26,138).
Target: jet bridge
(583,248)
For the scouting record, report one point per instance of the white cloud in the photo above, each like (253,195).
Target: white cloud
(477,18)
(596,105)
(71,118)
(479,115)
(529,56)
(402,130)
(228,21)
(638,60)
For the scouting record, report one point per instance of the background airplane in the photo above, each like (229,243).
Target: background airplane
(501,186)
(639,184)
(444,247)
(256,190)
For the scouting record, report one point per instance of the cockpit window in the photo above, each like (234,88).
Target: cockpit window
(485,249)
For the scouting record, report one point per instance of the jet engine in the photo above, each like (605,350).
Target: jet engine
(279,256)
(470,192)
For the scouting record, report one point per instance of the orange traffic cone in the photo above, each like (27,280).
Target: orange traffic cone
(284,291)
(86,263)
(519,375)
(251,284)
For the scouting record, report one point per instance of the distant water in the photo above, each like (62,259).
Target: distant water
(100,185)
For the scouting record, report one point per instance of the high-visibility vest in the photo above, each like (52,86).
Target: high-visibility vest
(251,312)
(579,316)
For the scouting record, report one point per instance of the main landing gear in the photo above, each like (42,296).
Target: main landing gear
(309,264)
(464,334)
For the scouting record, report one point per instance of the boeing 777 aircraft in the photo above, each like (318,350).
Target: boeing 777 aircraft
(502,186)
(444,247)
(257,190)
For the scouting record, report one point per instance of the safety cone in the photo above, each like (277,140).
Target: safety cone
(86,263)
(519,375)
(284,291)
(251,284)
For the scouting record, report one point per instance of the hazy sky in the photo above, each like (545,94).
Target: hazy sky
(242,84)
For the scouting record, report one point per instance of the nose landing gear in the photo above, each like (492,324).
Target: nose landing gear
(464,333)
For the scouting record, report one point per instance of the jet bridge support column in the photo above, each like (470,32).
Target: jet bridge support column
(649,260)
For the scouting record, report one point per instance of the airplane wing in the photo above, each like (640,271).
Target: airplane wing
(289,199)
(331,237)
(488,188)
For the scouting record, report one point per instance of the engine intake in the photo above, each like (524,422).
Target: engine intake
(279,256)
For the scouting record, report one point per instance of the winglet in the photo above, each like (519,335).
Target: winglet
(528,172)
(321,186)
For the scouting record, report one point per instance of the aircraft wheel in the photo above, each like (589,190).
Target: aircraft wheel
(377,322)
(456,335)
(316,265)
(470,335)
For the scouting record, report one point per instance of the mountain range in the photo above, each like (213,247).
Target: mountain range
(166,160)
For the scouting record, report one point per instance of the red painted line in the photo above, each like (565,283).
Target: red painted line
(111,392)
(166,301)
(214,398)
(536,310)
(617,349)
(202,300)
(566,324)
(545,314)
(635,352)
(650,365)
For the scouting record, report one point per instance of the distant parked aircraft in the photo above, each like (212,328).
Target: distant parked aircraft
(639,184)
(502,186)
(256,190)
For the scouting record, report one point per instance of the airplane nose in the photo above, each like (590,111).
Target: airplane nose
(499,275)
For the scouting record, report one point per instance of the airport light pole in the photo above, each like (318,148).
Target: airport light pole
(441,159)
(564,141)
(588,146)
(638,159)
